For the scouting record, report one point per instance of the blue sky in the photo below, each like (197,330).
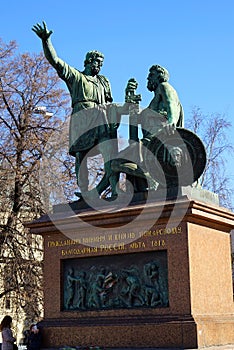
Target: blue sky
(193,39)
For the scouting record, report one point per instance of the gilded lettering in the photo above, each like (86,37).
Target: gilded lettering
(147,233)
(158,243)
(111,247)
(119,236)
(137,245)
(62,243)
(96,239)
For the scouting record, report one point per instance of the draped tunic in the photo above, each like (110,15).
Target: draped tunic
(89,95)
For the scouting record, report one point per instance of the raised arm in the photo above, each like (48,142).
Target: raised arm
(44,34)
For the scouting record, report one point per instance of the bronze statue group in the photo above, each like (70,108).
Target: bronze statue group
(95,120)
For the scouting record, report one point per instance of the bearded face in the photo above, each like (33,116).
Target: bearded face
(152,81)
(176,157)
(96,65)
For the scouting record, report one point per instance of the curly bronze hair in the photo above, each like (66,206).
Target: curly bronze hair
(91,56)
(163,74)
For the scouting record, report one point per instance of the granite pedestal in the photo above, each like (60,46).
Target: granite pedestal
(191,240)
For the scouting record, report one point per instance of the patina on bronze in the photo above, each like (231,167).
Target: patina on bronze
(176,157)
(129,281)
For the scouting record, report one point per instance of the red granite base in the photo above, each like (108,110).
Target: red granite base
(196,237)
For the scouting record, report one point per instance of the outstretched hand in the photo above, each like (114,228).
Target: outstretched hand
(42,31)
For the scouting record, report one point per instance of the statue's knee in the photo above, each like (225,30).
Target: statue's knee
(115,165)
